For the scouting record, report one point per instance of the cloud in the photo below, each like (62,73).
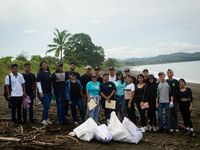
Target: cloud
(123,52)
(29,31)
(98,21)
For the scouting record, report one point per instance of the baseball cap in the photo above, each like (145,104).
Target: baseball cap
(97,68)
(112,68)
(88,67)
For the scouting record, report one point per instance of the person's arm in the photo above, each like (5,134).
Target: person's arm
(23,85)
(130,101)
(39,86)
(191,99)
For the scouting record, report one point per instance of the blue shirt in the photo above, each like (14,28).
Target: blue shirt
(93,88)
(120,87)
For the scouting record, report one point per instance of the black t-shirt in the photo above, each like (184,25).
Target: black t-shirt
(187,94)
(107,88)
(84,80)
(45,78)
(67,73)
(174,85)
(75,90)
(58,79)
(30,81)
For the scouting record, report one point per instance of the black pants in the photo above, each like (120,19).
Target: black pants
(184,109)
(16,107)
(130,111)
(152,115)
(142,115)
(30,110)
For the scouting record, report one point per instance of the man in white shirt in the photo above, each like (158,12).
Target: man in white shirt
(112,75)
(15,88)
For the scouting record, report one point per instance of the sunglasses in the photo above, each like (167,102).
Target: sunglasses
(94,76)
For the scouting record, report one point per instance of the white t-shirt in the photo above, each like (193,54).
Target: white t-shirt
(130,87)
(16,84)
(112,79)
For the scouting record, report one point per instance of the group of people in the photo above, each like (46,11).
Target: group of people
(142,99)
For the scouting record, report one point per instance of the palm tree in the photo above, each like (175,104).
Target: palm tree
(60,43)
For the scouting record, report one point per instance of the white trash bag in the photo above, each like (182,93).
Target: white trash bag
(86,130)
(102,134)
(135,132)
(118,131)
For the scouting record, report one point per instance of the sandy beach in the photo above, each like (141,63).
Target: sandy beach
(150,141)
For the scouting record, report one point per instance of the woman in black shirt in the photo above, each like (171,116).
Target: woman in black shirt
(185,105)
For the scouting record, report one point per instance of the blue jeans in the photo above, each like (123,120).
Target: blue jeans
(120,106)
(61,108)
(30,110)
(77,103)
(94,113)
(167,114)
(46,101)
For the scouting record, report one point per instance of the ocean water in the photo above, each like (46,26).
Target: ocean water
(190,71)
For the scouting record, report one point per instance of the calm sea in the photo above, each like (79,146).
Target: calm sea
(190,71)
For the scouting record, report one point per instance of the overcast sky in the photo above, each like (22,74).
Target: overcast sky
(124,28)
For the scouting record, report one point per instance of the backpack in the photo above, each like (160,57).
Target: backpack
(10,88)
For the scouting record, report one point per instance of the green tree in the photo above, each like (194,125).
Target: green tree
(21,57)
(111,62)
(60,42)
(83,50)
(36,58)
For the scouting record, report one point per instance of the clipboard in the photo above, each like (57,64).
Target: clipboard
(91,104)
(111,105)
(127,94)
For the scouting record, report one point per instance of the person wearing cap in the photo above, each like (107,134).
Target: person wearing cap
(93,93)
(72,68)
(174,84)
(127,72)
(150,95)
(120,87)
(44,86)
(84,80)
(164,100)
(15,88)
(112,76)
(97,72)
(58,80)
(74,94)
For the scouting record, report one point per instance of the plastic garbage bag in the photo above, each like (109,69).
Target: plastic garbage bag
(118,131)
(133,130)
(102,134)
(86,130)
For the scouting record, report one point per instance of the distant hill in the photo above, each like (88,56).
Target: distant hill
(175,57)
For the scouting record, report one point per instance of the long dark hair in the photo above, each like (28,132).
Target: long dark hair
(122,77)
(140,75)
(44,61)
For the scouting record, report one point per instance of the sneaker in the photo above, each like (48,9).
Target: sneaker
(143,129)
(48,121)
(154,129)
(171,130)
(76,123)
(160,130)
(44,122)
(149,128)
(176,130)
(191,133)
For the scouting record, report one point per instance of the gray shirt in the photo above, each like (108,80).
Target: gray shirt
(163,92)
